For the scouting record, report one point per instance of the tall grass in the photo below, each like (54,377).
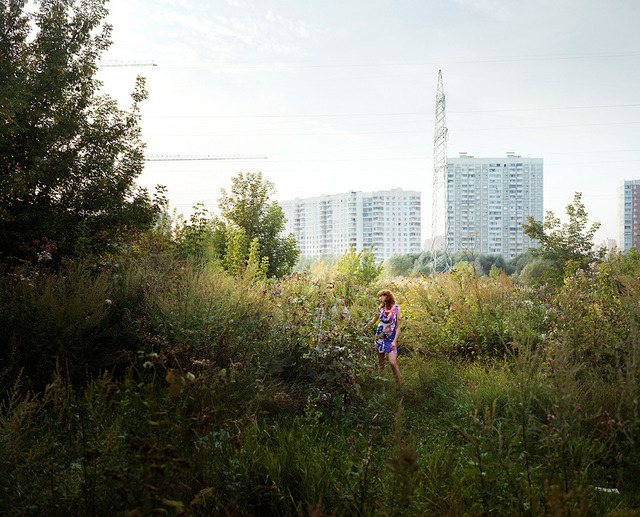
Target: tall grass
(465,315)
(191,392)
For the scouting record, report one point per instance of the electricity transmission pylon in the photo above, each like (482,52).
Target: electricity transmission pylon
(439,223)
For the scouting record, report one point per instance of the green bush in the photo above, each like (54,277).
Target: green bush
(590,316)
(75,318)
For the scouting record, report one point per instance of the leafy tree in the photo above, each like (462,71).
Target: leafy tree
(248,206)
(68,155)
(236,250)
(401,265)
(520,261)
(536,271)
(488,262)
(257,266)
(192,238)
(567,246)
(361,265)
(424,263)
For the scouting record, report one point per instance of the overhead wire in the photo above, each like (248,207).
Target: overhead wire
(408,131)
(435,62)
(405,113)
(391,114)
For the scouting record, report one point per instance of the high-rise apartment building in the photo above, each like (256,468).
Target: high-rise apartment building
(488,201)
(329,224)
(628,217)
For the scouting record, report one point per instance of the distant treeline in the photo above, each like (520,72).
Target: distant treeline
(413,264)
(524,266)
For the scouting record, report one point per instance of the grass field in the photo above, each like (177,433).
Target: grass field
(168,389)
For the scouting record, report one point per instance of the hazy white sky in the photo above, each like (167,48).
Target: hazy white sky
(340,94)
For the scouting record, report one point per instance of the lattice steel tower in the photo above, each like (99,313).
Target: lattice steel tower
(439,223)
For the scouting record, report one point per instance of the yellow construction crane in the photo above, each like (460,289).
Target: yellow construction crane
(175,157)
(114,62)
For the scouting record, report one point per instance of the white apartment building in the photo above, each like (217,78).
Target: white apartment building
(628,216)
(329,224)
(489,200)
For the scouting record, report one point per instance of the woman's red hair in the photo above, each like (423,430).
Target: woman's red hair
(390,300)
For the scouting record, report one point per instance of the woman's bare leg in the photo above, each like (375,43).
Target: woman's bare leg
(394,367)
(381,363)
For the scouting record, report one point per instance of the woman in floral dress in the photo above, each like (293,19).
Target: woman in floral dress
(387,332)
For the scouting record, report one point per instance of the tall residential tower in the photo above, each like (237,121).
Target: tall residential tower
(390,220)
(628,217)
(488,201)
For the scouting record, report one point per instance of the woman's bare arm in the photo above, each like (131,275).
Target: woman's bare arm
(395,339)
(372,321)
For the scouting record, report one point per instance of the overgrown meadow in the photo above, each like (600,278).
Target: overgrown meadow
(153,385)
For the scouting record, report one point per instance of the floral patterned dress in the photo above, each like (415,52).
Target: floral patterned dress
(386,331)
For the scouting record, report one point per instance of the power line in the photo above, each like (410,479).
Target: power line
(558,108)
(393,114)
(343,132)
(438,62)
(196,157)
(336,133)
(594,124)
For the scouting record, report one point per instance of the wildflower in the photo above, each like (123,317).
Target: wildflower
(108,302)
(282,395)
(190,377)
(152,355)
(147,365)
(604,489)
(43,256)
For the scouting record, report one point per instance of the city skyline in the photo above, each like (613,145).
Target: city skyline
(341,97)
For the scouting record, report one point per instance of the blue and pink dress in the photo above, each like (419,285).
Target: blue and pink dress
(386,331)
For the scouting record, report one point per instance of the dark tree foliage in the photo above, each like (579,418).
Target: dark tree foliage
(486,262)
(248,205)
(68,155)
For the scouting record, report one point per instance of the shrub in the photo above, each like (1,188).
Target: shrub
(72,317)
(590,317)
(461,314)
